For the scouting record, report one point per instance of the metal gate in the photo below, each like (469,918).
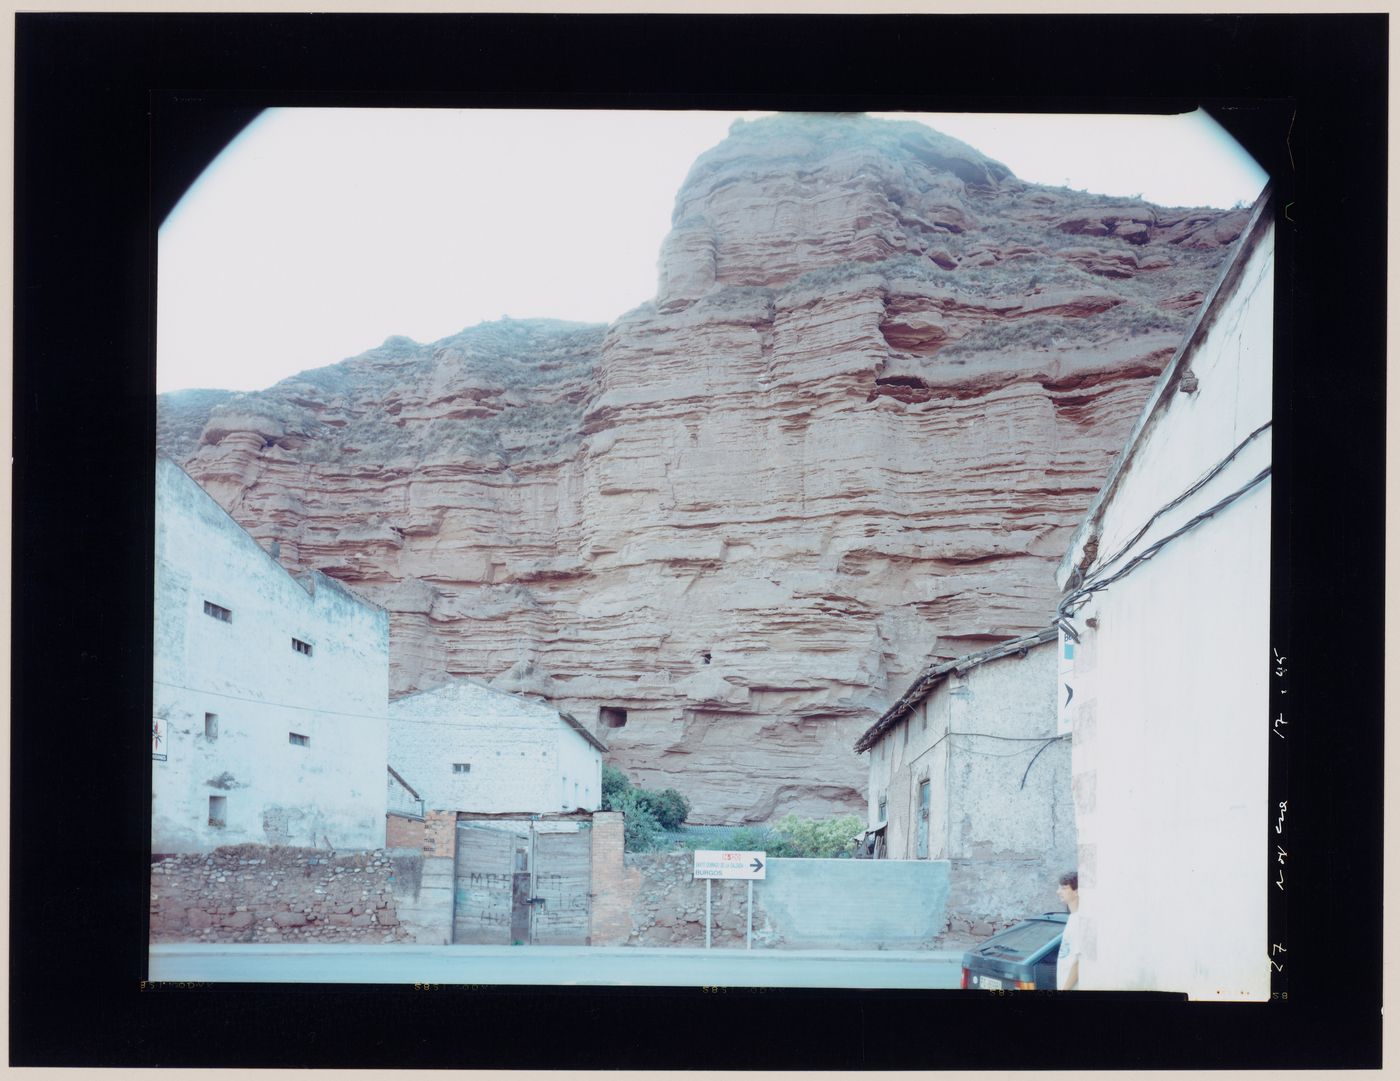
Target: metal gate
(522,882)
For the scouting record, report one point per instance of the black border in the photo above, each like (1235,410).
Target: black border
(1305,94)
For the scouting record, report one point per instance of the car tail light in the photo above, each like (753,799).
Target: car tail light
(963,985)
(1025,985)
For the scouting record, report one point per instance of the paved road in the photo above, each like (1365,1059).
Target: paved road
(544,965)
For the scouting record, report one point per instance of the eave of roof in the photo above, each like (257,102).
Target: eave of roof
(934,674)
(577,725)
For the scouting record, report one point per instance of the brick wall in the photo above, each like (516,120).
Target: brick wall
(262,893)
(404,832)
(440,834)
(614,885)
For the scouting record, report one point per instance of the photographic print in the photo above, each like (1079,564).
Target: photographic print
(799,487)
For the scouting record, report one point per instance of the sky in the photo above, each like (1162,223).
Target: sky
(319,233)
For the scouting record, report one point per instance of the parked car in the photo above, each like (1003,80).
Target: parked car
(1021,958)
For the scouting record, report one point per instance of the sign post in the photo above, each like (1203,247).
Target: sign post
(711,865)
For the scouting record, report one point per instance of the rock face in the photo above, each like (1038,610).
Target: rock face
(879,384)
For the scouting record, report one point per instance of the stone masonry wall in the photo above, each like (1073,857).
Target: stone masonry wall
(668,904)
(261,893)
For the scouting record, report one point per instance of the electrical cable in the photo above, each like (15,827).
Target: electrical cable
(1032,761)
(1092,586)
(1201,483)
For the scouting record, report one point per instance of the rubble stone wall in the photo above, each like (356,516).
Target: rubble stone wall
(668,903)
(263,893)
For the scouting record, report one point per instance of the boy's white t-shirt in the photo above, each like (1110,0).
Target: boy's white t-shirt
(1069,950)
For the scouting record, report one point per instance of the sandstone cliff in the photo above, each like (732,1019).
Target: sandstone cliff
(881,380)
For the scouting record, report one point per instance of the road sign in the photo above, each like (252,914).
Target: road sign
(730,864)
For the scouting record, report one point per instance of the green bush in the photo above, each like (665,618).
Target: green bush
(817,838)
(668,805)
(646,812)
(615,782)
(640,830)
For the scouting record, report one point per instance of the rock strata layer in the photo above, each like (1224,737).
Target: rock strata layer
(880,382)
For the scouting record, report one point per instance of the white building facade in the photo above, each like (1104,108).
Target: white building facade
(465,746)
(969,767)
(270,717)
(1166,662)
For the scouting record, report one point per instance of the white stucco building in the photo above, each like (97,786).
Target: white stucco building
(465,746)
(271,692)
(968,766)
(1167,593)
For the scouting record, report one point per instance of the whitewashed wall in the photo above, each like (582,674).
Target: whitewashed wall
(1170,708)
(965,738)
(519,751)
(329,793)
(580,772)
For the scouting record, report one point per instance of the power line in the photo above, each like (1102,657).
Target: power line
(1062,611)
(1201,483)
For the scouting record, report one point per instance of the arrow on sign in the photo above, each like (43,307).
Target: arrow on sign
(757,864)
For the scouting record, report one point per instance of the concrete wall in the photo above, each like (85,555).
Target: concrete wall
(246,674)
(1170,713)
(519,751)
(802,904)
(261,893)
(853,904)
(973,738)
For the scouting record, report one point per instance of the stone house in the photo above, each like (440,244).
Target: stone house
(967,766)
(270,693)
(465,746)
(1167,663)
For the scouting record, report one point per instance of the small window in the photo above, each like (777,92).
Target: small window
(218,811)
(612,716)
(906,733)
(461,767)
(705,657)
(880,815)
(211,726)
(296,739)
(923,820)
(212,609)
(301,647)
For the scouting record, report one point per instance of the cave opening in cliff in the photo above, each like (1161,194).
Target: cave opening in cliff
(612,716)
